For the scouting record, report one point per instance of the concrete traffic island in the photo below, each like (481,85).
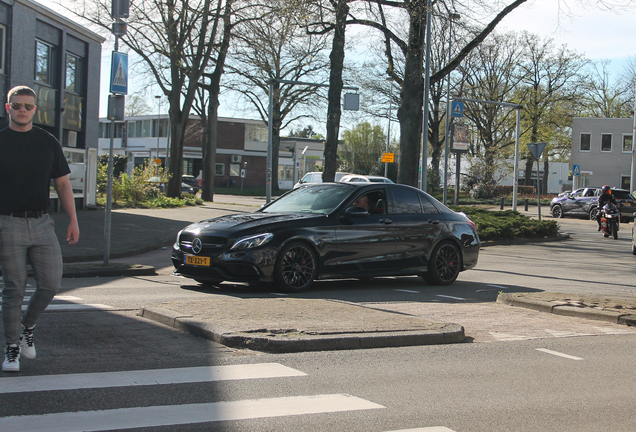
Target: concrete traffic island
(618,311)
(297,325)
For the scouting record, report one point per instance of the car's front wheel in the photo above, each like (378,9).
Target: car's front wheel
(557,211)
(296,267)
(444,264)
(594,213)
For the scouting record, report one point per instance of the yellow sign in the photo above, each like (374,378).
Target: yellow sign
(388,157)
(158,161)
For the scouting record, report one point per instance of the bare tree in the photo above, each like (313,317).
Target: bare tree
(137,105)
(276,47)
(604,96)
(175,40)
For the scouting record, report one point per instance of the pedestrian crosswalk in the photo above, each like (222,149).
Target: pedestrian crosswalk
(132,417)
(63,302)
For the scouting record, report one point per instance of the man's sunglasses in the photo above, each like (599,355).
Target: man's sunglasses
(18,105)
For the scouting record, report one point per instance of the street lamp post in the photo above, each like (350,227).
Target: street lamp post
(158,98)
(388,131)
(452,17)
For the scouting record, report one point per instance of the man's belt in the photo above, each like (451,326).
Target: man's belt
(26,214)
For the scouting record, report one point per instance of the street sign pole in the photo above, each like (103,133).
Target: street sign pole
(537,150)
(119,10)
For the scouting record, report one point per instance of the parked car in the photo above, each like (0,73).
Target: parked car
(316,177)
(192,181)
(316,232)
(584,202)
(357,178)
(634,237)
(156,181)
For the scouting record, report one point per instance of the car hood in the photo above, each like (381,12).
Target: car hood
(246,221)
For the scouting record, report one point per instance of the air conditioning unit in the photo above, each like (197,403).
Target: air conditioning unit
(71,139)
(236,158)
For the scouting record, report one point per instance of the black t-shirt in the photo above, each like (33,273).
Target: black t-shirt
(28,162)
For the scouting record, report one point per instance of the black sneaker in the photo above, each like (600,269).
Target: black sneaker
(599,228)
(11,361)
(26,343)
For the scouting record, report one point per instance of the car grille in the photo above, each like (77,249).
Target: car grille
(212,246)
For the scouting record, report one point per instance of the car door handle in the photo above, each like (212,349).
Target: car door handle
(433,221)
(386,221)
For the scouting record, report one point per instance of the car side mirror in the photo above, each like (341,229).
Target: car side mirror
(356,212)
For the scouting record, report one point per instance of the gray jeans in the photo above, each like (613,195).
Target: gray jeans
(34,239)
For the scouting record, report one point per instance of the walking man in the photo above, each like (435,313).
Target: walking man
(30,158)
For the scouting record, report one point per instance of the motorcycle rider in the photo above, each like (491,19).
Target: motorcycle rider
(605,198)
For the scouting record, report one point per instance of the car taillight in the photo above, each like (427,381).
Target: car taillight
(472,224)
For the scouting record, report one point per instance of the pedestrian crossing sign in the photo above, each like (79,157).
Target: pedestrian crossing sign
(576,170)
(119,73)
(457,109)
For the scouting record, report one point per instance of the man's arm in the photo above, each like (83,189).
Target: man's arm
(65,194)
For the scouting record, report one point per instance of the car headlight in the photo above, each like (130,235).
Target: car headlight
(252,241)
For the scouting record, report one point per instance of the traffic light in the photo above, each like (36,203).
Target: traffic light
(120,9)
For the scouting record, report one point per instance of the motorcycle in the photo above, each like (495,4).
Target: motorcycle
(610,220)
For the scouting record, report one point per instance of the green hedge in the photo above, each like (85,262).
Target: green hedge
(507,224)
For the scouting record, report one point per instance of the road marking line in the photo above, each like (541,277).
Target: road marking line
(280,294)
(563,334)
(408,291)
(75,306)
(426,429)
(451,297)
(614,331)
(507,337)
(547,351)
(146,377)
(171,415)
(66,298)
(498,286)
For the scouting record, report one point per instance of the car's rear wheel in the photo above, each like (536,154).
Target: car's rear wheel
(594,213)
(444,265)
(296,267)
(557,211)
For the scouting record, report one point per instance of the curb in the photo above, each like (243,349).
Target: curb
(299,342)
(571,311)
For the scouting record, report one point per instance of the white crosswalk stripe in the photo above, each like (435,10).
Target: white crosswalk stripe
(146,377)
(68,303)
(127,418)
(172,415)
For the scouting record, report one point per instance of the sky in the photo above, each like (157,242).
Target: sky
(598,34)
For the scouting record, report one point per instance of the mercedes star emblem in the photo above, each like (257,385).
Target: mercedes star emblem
(197,245)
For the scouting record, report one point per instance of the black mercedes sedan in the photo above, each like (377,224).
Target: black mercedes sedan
(331,231)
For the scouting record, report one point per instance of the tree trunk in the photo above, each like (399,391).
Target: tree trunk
(179,122)
(412,95)
(209,148)
(335,92)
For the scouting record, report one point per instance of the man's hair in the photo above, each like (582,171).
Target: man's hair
(20,91)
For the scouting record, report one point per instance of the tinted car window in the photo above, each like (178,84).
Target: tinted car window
(622,195)
(406,201)
(428,206)
(319,199)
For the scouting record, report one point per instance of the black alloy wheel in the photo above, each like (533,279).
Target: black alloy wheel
(296,267)
(444,265)
(557,211)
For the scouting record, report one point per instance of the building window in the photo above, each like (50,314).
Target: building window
(145,130)
(285,173)
(606,142)
(73,73)
(585,142)
(163,128)
(256,133)
(625,181)
(235,170)
(219,169)
(627,143)
(44,63)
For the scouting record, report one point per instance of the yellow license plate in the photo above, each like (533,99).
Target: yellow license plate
(197,260)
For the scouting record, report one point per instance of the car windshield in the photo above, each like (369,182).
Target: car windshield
(321,199)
